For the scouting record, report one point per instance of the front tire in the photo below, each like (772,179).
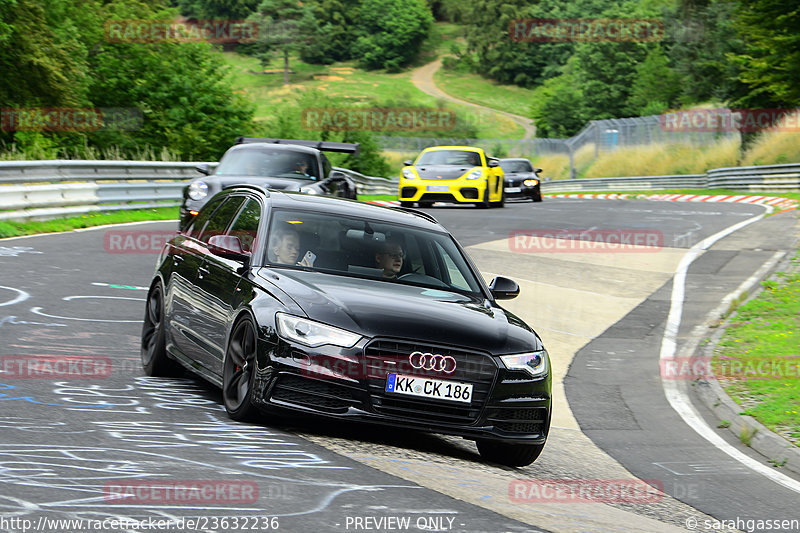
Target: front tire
(154,346)
(238,372)
(406,204)
(537,196)
(484,204)
(515,455)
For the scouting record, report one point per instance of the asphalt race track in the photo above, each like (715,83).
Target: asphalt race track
(72,447)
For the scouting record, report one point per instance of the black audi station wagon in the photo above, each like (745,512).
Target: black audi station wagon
(347,310)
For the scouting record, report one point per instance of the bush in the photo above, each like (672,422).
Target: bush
(390,32)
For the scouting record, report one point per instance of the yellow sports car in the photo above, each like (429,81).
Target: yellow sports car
(460,174)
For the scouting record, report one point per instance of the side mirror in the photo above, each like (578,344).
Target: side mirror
(229,247)
(537,170)
(504,288)
(203,168)
(336,175)
(407,163)
(492,163)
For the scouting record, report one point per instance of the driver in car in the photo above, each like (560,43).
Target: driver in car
(390,259)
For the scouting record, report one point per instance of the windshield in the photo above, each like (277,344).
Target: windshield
(516,166)
(264,162)
(367,249)
(450,157)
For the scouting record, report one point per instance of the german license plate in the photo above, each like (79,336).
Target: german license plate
(513,189)
(438,188)
(429,388)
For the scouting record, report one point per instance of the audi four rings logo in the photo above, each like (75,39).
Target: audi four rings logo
(432,361)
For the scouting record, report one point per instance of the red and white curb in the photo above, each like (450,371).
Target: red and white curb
(775,201)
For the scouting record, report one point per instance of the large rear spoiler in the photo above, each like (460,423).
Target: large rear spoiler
(325,146)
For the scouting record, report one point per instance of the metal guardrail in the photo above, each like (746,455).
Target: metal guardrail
(46,189)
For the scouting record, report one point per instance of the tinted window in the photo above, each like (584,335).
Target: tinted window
(264,162)
(450,157)
(368,249)
(246,225)
(516,166)
(203,216)
(222,218)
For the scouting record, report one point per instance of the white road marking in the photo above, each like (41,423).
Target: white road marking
(675,394)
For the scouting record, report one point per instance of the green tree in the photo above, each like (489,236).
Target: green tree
(558,106)
(329,30)
(770,63)
(390,32)
(218,9)
(656,86)
(281,25)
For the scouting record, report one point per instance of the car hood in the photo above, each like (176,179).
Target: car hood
(442,172)
(390,309)
(268,182)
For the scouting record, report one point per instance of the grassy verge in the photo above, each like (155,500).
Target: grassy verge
(757,361)
(792,195)
(478,90)
(14,229)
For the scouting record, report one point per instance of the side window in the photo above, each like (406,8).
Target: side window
(221,218)
(246,225)
(205,213)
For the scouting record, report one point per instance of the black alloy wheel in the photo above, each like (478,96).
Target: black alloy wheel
(238,372)
(154,350)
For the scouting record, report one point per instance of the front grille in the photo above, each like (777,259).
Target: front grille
(388,356)
(312,393)
(529,421)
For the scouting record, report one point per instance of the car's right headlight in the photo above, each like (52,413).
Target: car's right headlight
(198,190)
(313,334)
(534,363)
(409,174)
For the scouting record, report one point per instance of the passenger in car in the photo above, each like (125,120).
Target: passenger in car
(285,247)
(390,257)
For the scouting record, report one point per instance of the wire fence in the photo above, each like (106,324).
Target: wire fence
(596,137)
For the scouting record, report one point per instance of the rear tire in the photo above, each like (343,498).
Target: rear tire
(502,201)
(155,360)
(238,371)
(509,454)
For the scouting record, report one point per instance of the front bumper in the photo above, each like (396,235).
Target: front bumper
(507,406)
(459,190)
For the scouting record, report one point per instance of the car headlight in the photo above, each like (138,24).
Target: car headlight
(198,190)
(312,333)
(309,190)
(530,183)
(409,174)
(534,363)
(475,174)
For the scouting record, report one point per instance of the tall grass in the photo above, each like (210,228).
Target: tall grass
(774,148)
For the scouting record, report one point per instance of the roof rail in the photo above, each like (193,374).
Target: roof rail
(325,146)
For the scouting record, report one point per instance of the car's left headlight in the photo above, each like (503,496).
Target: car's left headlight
(531,183)
(313,334)
(534,363)
(475,175)
(308,190)
(198,190)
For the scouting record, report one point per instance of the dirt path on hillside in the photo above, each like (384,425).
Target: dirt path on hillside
(423,80)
